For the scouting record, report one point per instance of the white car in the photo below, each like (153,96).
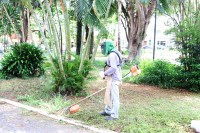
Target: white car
(160,47)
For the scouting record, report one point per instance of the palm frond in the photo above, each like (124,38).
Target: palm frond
(91,19)
(163,5)
(81,7)
(102,7)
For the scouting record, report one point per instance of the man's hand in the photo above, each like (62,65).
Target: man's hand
(101,73)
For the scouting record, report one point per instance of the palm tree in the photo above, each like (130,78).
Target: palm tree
(89,17)
(67,28)
(95,11)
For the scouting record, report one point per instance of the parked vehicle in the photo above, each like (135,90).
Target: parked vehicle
(147,47)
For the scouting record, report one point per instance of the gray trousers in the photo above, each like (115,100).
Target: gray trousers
(113,111)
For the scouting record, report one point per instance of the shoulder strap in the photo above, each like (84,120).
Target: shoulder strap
(120,60)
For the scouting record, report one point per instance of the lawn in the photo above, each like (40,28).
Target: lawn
(143,108)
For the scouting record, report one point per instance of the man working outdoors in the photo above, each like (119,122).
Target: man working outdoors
(113,74)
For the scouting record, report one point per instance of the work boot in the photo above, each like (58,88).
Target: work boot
(105,114)
(110,118)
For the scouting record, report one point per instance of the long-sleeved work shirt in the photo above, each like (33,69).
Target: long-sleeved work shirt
(115,66)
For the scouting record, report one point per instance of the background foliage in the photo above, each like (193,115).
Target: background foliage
(24,60)
(167,75)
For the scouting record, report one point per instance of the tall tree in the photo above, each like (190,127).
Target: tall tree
(79,27)
(119,24)
(137,15)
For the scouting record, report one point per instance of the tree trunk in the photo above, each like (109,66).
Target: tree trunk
(95,50)
(82,40)
(41,30)
(139,21)
(119,24)
(78,37)
(67,28)
(86,32)
(55,37)
(85,50)
(60,29)
(22,39)
(25,25)
(30,37)
(91,44)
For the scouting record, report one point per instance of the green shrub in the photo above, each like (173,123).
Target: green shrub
(159,73)
(73,83)
(24,60)
(187,39)
(190,80)
(166,75)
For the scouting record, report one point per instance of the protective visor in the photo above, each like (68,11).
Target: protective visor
(106,47)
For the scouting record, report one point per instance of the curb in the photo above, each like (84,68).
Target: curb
(57,117)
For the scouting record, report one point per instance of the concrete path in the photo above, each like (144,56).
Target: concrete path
(16,120)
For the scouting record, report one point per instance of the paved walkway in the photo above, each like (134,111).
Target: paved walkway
(16,120)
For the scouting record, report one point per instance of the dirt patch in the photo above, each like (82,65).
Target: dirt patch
(12,88)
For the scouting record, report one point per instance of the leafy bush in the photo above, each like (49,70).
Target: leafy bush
(190,80)
(73,82)
(22,61)
(166,75)
(187,40)
(159,73)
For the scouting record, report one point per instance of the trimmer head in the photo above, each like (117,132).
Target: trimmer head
(73,109)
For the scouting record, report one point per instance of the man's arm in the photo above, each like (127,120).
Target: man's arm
(113,64)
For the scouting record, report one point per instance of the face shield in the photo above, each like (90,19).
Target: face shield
(106,47)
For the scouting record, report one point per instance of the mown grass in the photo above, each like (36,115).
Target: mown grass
(50,103)
(143,109)
(146,114)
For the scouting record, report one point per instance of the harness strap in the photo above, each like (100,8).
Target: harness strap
(120,60)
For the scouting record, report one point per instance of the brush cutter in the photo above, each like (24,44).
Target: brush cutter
(75,107)
(135,70)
